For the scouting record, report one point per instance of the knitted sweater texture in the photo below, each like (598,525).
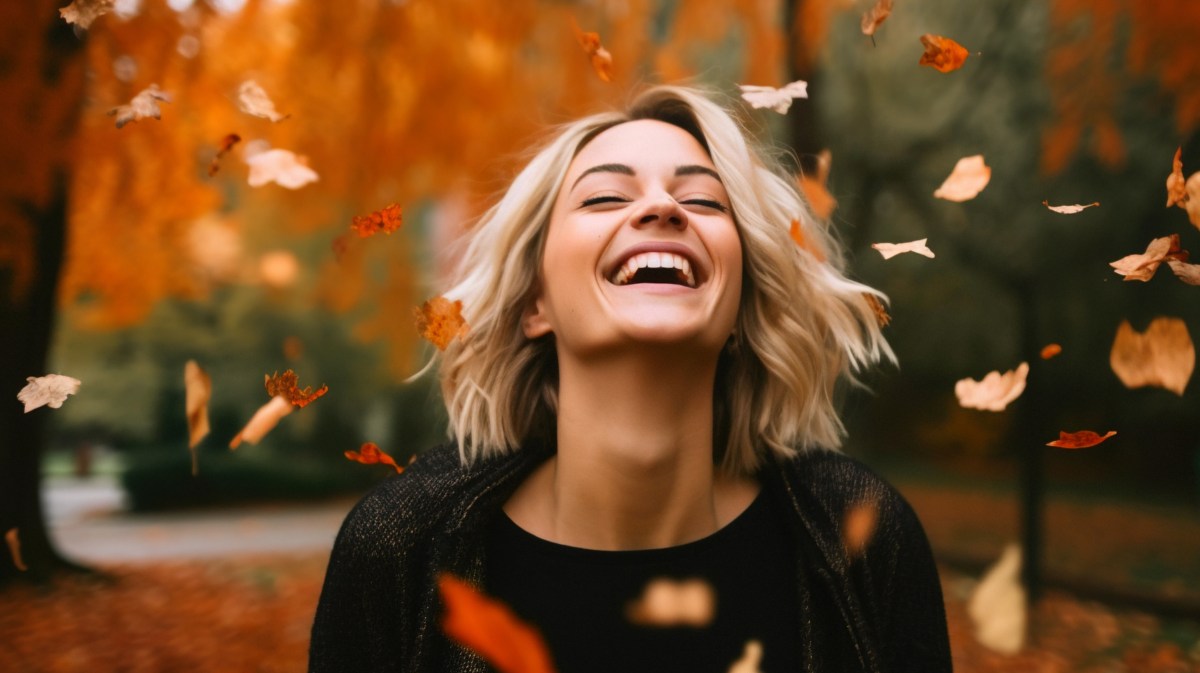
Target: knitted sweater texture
(876,611)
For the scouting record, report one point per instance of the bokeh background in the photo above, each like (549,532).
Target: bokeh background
(122,256)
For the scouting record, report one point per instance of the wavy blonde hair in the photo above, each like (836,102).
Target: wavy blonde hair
(801,323)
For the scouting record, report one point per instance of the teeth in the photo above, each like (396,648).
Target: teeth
(655,260)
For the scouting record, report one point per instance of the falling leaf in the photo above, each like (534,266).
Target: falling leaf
(816,187)
(1193,200)
(801,240)
(942,53)
(668,603)
(491,630)
(751,657)
(875,16)
(995,392)
(50,390)
(1176,186)
(969,177)
(143,105)
(601,59)
(1070,210)
(440,320)
(198,385)
(1050,350)
(370,454)
(1188,273)
(1079,440)
(253,100)
(881,314)
(267,416)
(14,549)
(779,100)
(1142,266)
(227,144)
(83,12)
(997,606)
(858,525)
(287,386)
(281,167)
(890,250)
(385,220)
(1162,356)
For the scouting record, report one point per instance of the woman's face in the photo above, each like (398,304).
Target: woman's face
(641,248)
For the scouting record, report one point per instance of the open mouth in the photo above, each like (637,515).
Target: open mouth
(655,267)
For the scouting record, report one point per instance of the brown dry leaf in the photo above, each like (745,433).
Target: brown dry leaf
(1193,199)
(1162,356)
(385,220)
(670,603)
(601,59)
(942,53)
(995,392)
(1143,265)
(143,105)
(779,100)
(1188,273)
(890,250)
(877,307)
(1050,350)
(227,144)
(750,659)
(198,385)
(797,234)
(858,525)
(253,100)
(1176,186)
(370,454)
(287,385)
(14,548)
(969,177)
(263,420)
(491,630)
(875,16)
(281,167)
(1070,210)
(997,606)
(1079,440)
(816,188)
(50,390)
(83,12)
(440,320)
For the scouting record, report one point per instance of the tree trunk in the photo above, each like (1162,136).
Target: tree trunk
(42,84)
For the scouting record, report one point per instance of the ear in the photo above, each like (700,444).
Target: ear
(534,321)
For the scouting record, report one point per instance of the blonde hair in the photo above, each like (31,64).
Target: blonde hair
(801,324)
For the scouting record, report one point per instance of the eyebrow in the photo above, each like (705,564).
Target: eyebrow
(688,169)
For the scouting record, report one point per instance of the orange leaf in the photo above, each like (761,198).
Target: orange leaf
(858,526)
(198,386)
(1176,186)
(876,16)
(386,220)
(881,314)
(1162,356)
(1079,440)
(14,549)
(227,144)
(491,630)
(370,454)
(815,188)
(797,235)
(1050,350)
(267,416)
(749,661)
(669,603)
(1069,210)
(942,53)
(1142,266)
(969,177)
(287,385)
(440,320)
(601,59)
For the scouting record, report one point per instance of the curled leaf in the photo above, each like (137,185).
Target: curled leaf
(875,16)
(667,603)
(440,320)
(1162,356)
(281,167)
(1142,266)
(1176,186)
(143,105)
(198,386)
(599,56)
(750,659)
(1079,440)
(890,250)
(385,220)
(1070,210)
(12,539)
(287,386)
(997,606)
(227,144)
(50,390)
(490,629)
(779,100)
(969,177)
(995,391)
(253,100)
(370,454)
(942,53)
(1050,350)
(263,420)
(83,12)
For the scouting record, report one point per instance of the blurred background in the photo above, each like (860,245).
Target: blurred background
(125,252)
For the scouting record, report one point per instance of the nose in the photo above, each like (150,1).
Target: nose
(661,210)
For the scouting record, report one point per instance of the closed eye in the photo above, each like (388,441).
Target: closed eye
(597,200)
(715,205)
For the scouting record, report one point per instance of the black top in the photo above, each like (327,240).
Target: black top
(580,598)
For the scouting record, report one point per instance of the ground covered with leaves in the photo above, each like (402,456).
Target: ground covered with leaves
(254,614)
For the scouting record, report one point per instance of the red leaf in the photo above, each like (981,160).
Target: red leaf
(370,454)
(491,630)
(1079,440)
(942,53)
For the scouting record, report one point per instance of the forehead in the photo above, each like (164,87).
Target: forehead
(644,142)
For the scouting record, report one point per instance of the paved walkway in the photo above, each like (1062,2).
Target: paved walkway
(88,521)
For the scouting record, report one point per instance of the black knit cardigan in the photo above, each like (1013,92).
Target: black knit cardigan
(879,612)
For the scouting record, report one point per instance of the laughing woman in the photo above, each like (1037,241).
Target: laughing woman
(646,391)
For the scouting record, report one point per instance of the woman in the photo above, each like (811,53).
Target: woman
(646,393)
